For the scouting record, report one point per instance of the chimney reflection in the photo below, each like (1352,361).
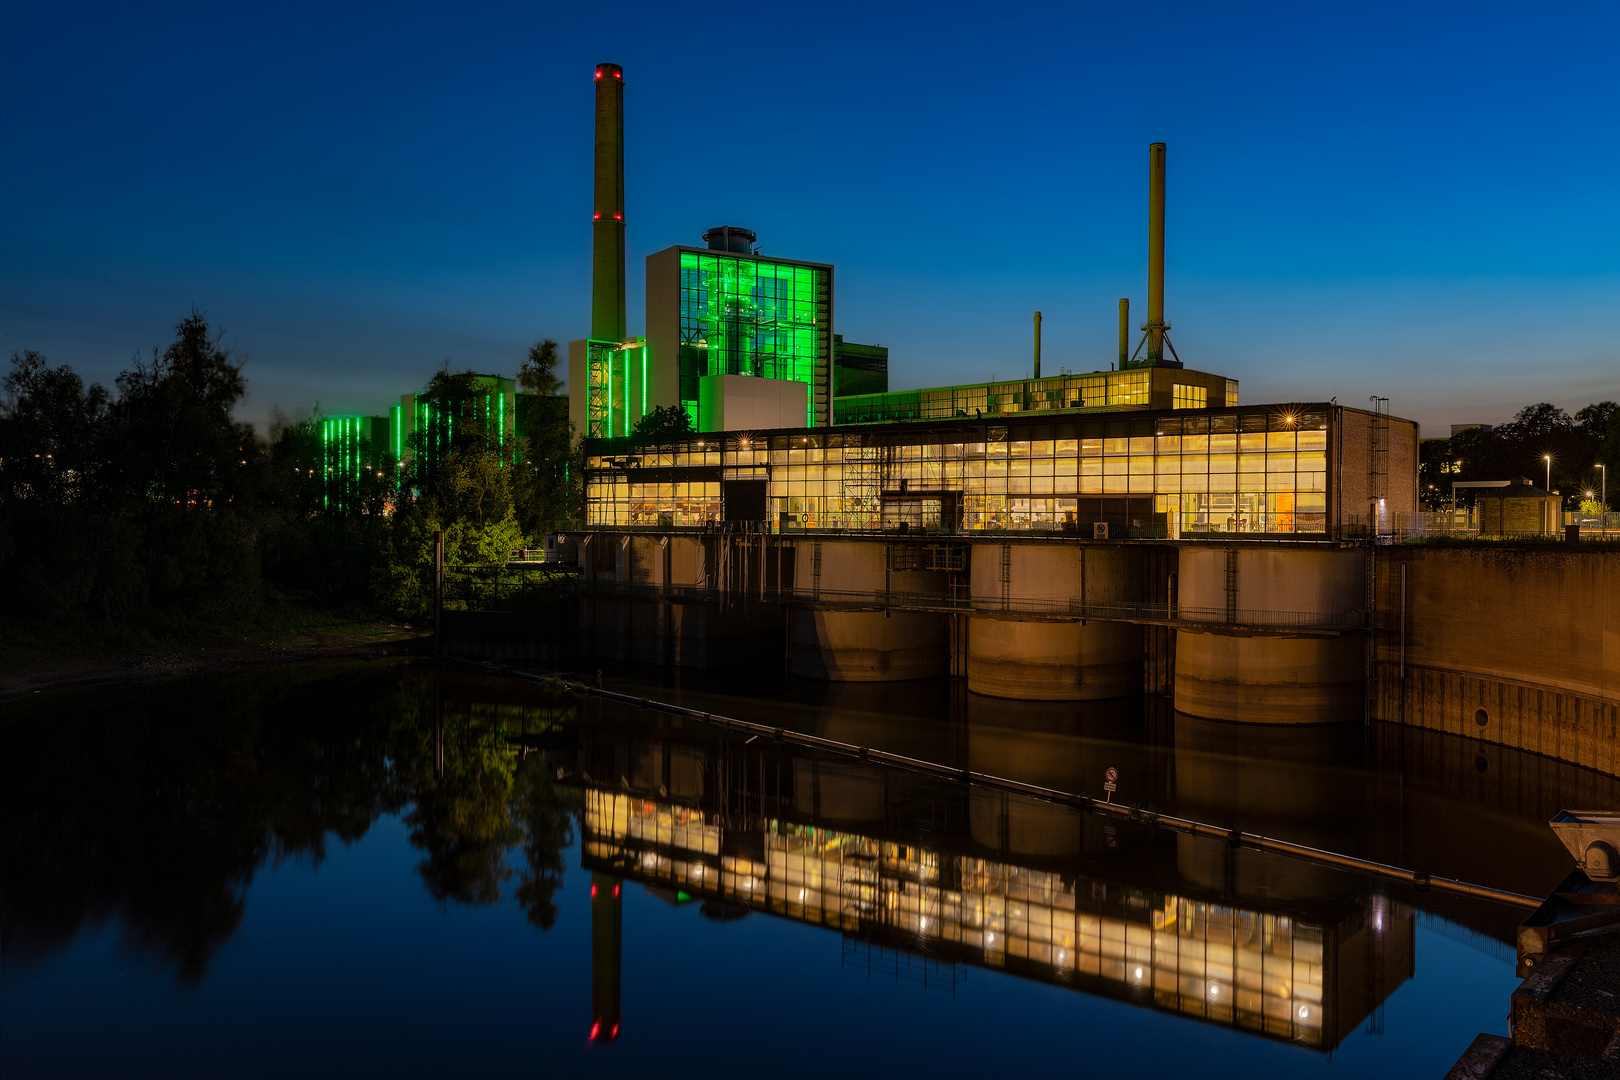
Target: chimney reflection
(607,932)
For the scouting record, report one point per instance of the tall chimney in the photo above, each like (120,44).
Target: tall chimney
(1155,321)
(1124,331)
(607,221)
(1037,345)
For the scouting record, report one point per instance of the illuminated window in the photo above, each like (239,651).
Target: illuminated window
(1231,393)
(1190,397)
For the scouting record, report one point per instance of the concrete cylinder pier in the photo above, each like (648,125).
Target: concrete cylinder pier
(1270,680)
(1043,659)
(843,645)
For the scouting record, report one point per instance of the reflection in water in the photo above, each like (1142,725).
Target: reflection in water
(154,808)
(970,876)
(156,805)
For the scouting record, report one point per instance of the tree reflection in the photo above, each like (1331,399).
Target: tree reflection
(155,806)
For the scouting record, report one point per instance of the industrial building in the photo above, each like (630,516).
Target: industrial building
(1060,537)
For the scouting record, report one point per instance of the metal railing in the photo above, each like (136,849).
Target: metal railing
(1060,608)
(1465,524)
(474,588)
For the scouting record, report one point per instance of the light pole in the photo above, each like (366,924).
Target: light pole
(1548,459)
(1603,505)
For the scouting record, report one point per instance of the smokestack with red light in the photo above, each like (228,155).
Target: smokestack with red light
(607,223)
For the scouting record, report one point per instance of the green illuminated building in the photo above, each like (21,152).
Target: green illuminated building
(351,447)
(423,431)
(724,310)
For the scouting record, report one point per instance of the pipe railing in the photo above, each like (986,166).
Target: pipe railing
(1063,608)
(1235,838)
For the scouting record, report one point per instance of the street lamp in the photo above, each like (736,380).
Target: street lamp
(1603,504)
(1548,459)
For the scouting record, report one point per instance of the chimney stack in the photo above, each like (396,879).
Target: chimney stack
(1037,345)
(1124,331)
(1155,325)
(607,222)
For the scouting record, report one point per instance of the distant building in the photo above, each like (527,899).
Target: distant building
(859,369)
(1520,507)
(351,446)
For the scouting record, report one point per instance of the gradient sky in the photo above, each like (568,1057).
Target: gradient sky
(1418,201)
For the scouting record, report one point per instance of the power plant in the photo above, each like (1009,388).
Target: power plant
(1069,536)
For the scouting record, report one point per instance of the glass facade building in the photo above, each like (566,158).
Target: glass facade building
(1263,470)
(726,313)
(1134,389)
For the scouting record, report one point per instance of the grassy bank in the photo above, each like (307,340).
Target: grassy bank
(39,655)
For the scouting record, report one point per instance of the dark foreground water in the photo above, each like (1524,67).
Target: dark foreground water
(379,869)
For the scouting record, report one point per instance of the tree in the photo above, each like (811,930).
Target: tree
(663,422)
(538,373)
(549,491)
(50,425)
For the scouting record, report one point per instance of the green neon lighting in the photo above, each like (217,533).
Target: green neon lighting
(750,316)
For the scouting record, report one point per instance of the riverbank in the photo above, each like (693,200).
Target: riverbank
(35,658)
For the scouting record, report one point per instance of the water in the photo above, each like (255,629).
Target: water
(271,873)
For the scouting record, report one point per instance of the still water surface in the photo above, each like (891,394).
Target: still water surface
(383,869)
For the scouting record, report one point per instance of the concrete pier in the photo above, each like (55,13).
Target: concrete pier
(1270,680)
(1044,660)
(862,646)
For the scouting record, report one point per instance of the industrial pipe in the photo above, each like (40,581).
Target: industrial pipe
(1155,325)
(1037,345)
(607,220)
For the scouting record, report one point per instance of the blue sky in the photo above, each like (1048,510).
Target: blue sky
(1417,201)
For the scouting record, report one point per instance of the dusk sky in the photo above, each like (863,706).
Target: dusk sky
(1418,201)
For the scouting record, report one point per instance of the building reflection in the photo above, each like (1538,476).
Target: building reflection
(971,876)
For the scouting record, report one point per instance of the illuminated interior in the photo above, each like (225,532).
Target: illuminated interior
(1205,473)
(1256,971)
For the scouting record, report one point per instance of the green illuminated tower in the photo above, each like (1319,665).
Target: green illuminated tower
(726,311)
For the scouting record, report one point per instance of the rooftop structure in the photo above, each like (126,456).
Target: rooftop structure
(1099,391)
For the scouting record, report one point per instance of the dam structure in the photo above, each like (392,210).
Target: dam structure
(1074,536)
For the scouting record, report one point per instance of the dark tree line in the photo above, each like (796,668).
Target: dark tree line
(149,505)
(1577,445)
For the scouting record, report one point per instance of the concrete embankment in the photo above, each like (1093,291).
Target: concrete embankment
(1519,647)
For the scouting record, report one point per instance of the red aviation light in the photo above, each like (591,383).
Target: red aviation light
(614,1034)
(596,1029)
(618,217)
(615,893)
(593,890)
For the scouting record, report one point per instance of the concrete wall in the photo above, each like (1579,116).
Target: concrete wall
(1527,640)
(751,403)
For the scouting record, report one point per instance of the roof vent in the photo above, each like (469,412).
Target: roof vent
(731,238)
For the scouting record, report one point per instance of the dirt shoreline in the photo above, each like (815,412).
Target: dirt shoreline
(59,672)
